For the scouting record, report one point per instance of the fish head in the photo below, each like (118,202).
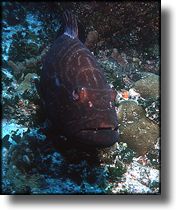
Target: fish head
(82,109)
(92,119)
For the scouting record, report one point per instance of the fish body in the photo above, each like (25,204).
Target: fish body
(76,96)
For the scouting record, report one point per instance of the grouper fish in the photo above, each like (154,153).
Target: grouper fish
(78,101)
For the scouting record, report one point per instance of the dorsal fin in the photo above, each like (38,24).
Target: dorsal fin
(71,26)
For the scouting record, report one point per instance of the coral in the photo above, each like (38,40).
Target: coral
(129,111)
(136,130)
(148,87)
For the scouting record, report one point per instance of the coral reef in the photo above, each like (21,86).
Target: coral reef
(124,37)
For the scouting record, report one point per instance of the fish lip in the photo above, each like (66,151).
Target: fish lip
(100,129)
(102,138)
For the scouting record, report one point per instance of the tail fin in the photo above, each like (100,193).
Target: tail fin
(71,27)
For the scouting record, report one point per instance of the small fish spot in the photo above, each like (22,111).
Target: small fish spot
(90,104)
(110,104)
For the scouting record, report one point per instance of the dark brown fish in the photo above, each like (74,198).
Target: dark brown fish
(76,96)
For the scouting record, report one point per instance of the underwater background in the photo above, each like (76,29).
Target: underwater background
(124,38)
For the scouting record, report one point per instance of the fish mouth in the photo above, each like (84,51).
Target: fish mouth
(100,129)
(98,137)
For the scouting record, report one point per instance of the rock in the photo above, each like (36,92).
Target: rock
(92,39)
(138,179)
(151,67)
(140,135)
(130,111)
(7,76)
(120,58)
(148,87)
(16,68)
(27,87)
(107,155)
(26,83)
(135,129)
(6,142)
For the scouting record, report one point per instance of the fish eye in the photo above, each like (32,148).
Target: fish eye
(79,94)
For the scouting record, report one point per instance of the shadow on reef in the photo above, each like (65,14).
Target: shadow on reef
(34,166)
